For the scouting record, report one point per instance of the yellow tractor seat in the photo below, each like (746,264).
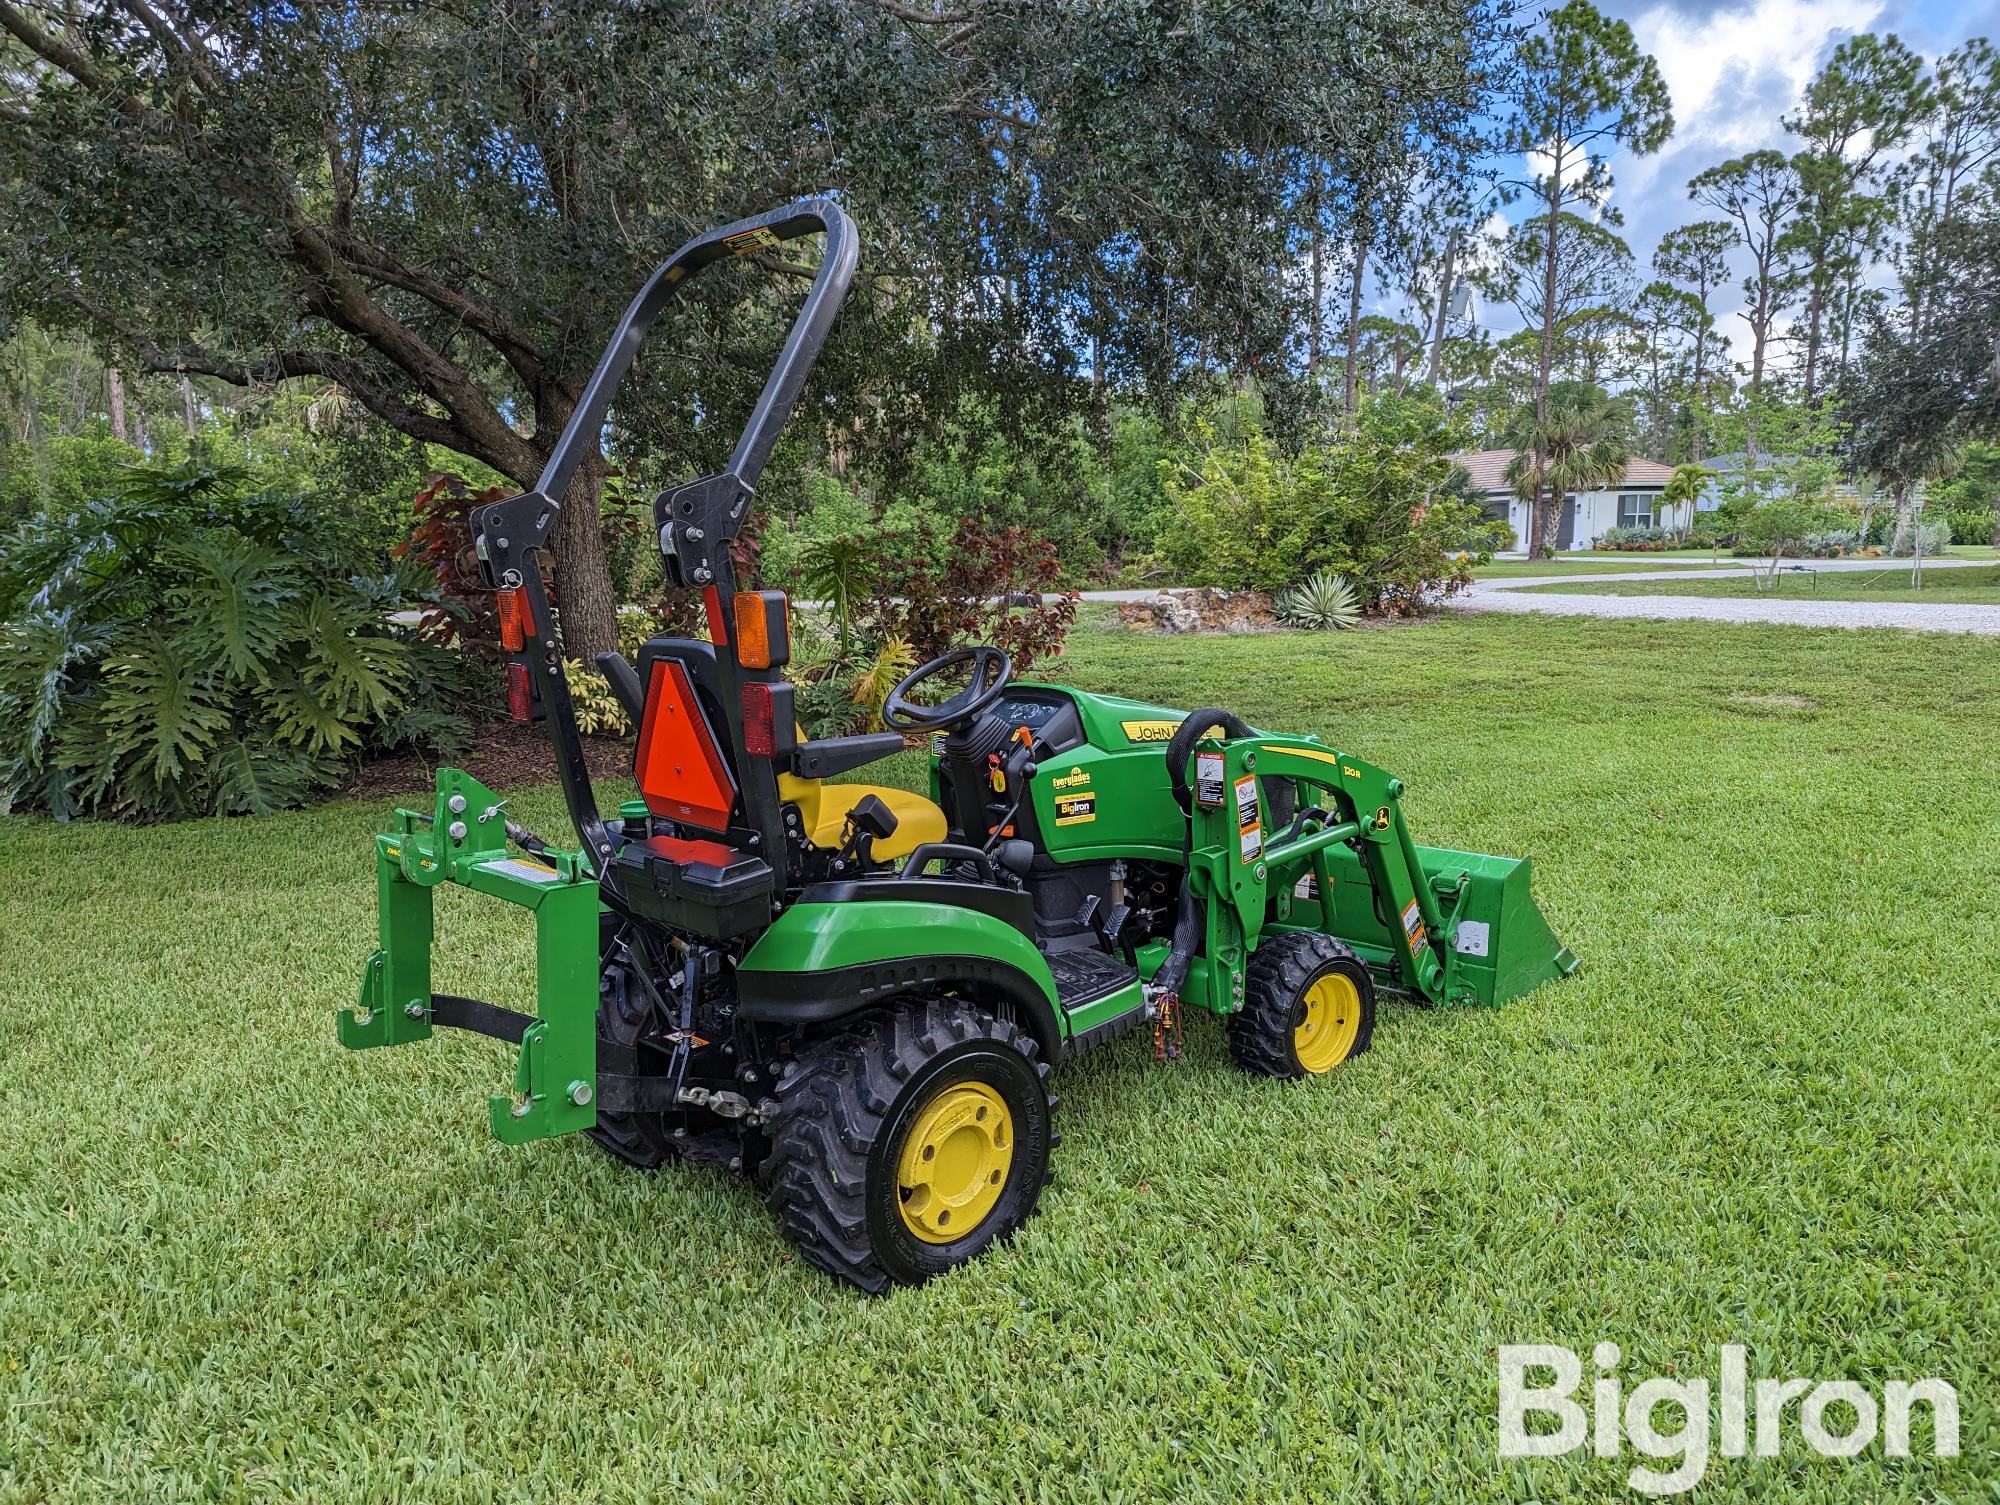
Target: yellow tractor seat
(823,810)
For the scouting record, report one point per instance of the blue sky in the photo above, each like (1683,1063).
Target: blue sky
(1734,68)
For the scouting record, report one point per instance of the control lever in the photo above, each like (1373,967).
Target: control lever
(1019,769)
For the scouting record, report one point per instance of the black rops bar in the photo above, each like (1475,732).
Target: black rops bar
(697,521)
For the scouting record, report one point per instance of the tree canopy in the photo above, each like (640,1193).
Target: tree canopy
(442,208)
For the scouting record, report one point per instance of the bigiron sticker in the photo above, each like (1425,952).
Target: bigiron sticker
(1208,778)
(1075,809)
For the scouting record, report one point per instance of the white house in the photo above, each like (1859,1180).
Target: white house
(1633,503)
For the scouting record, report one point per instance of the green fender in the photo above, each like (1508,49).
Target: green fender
(822,961)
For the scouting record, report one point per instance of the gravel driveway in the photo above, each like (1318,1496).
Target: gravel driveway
(1503,595)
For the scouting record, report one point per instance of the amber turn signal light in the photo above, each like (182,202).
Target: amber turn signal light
(763,629)
(516,626)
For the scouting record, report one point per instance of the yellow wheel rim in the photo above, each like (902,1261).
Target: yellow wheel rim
(1331,1024)
(954,1163)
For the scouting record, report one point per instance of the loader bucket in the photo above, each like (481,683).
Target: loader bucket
(1500,946)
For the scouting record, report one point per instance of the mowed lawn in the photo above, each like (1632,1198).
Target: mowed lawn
(238,1263)
(1594,564)
(1954,585)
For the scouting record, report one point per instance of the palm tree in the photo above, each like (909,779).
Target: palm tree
(1583,443)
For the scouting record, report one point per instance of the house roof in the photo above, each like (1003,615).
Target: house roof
(1488,469)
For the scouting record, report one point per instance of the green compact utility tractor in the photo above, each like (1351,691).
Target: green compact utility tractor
(856,993)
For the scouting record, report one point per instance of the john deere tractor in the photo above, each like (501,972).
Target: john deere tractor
(855,993)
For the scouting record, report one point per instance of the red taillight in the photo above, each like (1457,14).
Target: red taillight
(520,694)
(513,613)
(760,721)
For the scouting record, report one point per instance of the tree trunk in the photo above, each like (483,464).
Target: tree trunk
(190,411)
(582,569)
(1545,530)
(1548,526)
(1760,329)
(1899,534)
(1444,307)
(1316,330)
(1700,382)
(1364,233)
(1815,311)
(114,397)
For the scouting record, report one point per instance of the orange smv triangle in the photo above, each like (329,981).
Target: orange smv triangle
(679,763)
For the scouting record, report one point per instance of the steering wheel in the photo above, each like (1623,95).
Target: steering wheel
(990,670)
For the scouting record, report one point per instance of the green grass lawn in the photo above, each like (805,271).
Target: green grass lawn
(1956,586)
(242,1264)
(1587,564)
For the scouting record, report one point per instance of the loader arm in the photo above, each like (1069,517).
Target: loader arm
(1447,927)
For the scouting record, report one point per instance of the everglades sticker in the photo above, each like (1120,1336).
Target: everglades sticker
(1208,778)
(1076,778)
(1075,809)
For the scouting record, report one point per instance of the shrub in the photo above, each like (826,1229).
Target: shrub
(66,471)
(1711,530)
(965,591)
(440,543)
(1780,527)
(1376,505)
(1928,535)
(1834,544)
(1321,603)
(598,712)
(184,649)
(1635,540)
(1969,525)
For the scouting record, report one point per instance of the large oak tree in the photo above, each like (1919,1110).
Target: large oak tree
(442,208)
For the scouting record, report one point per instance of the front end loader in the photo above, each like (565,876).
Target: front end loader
(855,993)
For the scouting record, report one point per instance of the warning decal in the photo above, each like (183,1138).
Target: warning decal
(514,867)
(1253,843)
(751,240)
(1208,778)
(1246,801)
(1413,925)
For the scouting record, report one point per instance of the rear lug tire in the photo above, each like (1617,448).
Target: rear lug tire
(890,1134)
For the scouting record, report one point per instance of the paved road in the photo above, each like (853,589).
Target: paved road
(1803,611)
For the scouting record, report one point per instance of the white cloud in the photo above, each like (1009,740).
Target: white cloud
(1701,58)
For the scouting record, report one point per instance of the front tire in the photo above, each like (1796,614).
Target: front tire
(1308,1005)
(909,1143)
